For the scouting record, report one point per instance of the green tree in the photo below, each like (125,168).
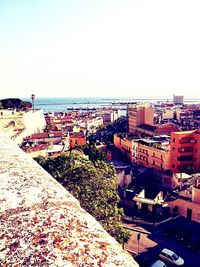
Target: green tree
(12,103)
(94,185)
(93,153)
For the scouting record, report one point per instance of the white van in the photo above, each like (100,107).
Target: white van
(171,257)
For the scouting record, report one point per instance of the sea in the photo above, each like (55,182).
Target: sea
(65,104)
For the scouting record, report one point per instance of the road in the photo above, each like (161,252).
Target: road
(150,246)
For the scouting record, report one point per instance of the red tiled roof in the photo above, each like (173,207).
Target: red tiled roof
(167,128)
(77,135)
(147,127)
(46,135)
(39,135)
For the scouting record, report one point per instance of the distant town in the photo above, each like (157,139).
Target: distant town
(155,150)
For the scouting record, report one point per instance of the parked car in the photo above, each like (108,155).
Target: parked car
(158,263)
(183,235)
(171,256)
(170,230)
(193,242)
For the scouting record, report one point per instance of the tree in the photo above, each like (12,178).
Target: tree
(94,185)
(93,153)
(15,103)
(49,127)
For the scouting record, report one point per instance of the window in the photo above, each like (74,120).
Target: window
(174,140)
(161,156)
(185,158)
(173,148)
(173,166)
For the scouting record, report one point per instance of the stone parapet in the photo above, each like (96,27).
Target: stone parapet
(41,224)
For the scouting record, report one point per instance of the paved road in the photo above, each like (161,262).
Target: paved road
(150,246)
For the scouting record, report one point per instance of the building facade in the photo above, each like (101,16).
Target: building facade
(146,152)
(178,99)
(139,114)
(185,152)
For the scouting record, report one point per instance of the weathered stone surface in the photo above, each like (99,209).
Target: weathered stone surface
(41,224)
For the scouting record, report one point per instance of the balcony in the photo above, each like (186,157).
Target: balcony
(143,152)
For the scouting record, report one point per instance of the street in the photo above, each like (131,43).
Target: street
(150,245)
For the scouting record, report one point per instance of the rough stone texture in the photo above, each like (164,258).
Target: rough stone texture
(41,224)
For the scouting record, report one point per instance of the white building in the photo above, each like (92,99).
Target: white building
(19,124)
(178,99)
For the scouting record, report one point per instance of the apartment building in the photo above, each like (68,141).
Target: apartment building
(108,115)
(154,154)
(185,152)
(178,99)
(171,113)
(139,114)
(149,153)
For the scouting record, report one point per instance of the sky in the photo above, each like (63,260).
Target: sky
(90,48)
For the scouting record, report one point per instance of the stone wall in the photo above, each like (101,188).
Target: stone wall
(41,224)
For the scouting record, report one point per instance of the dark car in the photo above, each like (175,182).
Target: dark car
(194,242)
(183,234)
(170,230)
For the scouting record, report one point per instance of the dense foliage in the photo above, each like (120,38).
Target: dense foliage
(93,153)
(14,103)
(94,185)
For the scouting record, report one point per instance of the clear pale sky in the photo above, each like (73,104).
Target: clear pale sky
(118,48)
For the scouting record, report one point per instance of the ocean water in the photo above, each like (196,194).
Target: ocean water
(63,103)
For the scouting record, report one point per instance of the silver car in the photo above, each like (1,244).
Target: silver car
(158,263)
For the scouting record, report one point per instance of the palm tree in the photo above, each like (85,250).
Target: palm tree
(33,98)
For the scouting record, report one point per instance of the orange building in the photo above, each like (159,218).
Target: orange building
(185,152)
(77,139)
(139,114)
(127,146)
(153,154)
(147,152)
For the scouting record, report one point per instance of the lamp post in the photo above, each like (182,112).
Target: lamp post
(33,98)
(138,239)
